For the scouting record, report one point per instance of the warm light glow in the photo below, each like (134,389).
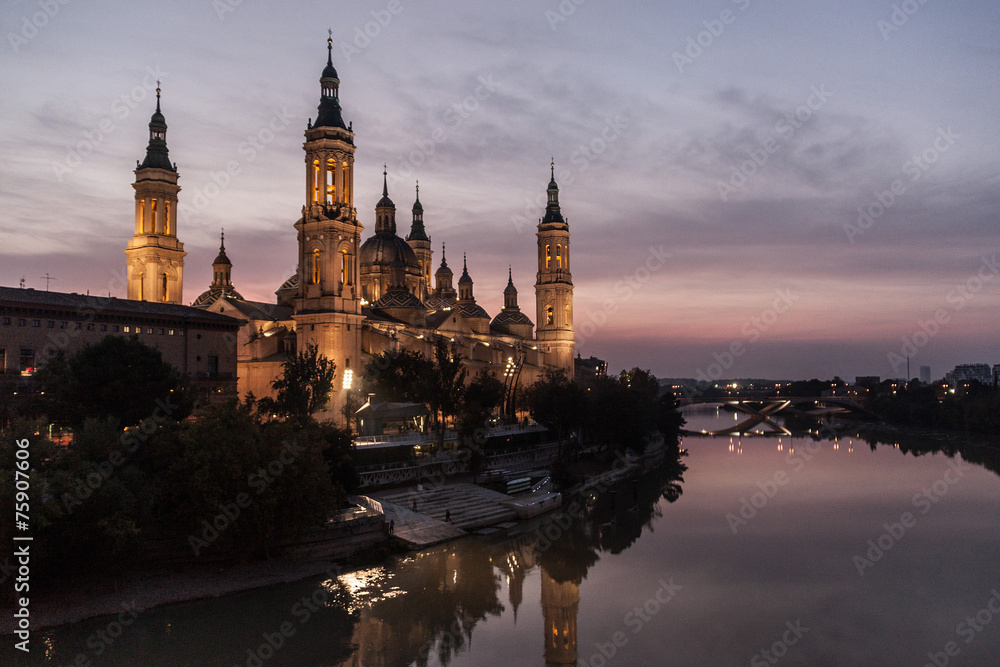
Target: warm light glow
(348,378)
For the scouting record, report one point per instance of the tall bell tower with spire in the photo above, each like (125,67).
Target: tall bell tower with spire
(155,258)
(327,308)
(554,286)
(421,244)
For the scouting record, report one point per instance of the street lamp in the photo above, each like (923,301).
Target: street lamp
(348,381)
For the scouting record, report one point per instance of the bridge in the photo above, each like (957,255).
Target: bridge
(761,409)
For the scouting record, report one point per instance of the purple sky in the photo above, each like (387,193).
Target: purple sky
(648,130)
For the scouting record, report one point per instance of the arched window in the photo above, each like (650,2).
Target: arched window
(166,217)
(549,315)
(142,291)
(163,287)
(152,226)
(347,182)
(331,182)
(315,267)
(315,182)
(559,257)
(142,216)
(345,274)
(548,256)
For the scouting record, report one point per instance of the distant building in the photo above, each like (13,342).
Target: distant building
(969,372)
(869,381)
(36,325)
(589,369)
(996,374)
(925,374)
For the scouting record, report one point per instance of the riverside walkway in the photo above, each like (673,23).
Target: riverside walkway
(469,507)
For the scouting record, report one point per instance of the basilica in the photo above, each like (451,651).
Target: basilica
(355,297)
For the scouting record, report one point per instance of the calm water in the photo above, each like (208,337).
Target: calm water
(646,581)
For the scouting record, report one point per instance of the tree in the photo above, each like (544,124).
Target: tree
(304,387)
(482,397)
(116,378)
(447,383)
(556,402)
(398,376)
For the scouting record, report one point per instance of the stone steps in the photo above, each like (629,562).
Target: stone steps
(468,506)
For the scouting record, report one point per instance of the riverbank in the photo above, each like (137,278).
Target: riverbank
(164,586)
(156,588)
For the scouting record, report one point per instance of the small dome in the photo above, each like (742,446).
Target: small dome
(384,249)
(208,297)
(508,317)
(222,259)
(397,299)
(438,302)
(473,310)
(466,279)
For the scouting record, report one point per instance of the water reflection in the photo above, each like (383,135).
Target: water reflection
(450,591)
(555,590)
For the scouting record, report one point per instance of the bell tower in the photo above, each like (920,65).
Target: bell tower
(554,286)
(327,308)
(155,258)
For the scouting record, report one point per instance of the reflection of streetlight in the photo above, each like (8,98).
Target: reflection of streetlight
(348,381)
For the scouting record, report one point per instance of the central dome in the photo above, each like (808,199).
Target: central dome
(383,249)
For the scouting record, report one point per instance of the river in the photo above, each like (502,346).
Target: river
(762,552)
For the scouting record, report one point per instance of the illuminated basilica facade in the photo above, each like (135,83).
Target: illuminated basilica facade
(352,297)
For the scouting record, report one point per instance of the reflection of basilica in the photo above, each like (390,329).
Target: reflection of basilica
(560,601)
(424,608)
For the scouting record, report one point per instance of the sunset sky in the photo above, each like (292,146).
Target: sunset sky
(650,111)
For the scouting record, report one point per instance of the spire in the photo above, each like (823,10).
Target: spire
(222,258)
(510,292)
(552,211)
(329,103)
(385,210)
(466,278)
(157,156)
(417,231)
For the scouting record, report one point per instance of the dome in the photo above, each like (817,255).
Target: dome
(291,284)
(397,299)
(222,259)
(208,297)
(508,317)
(384,249)
(438,302)
(472,310)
